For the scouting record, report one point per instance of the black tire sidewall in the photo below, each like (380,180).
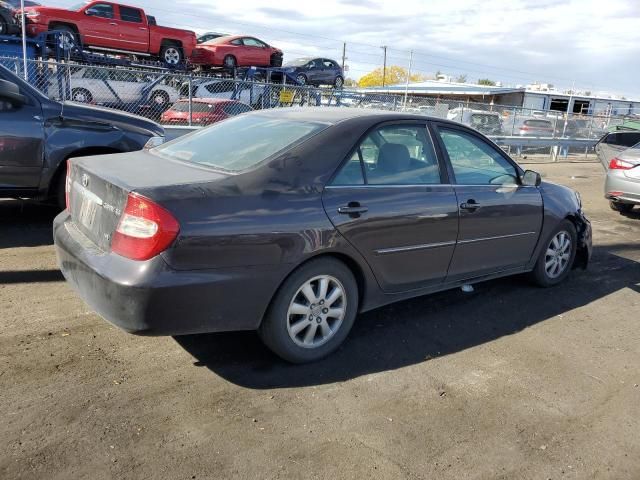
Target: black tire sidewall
(539,272)
(87,94)
(230,64)
(620,207)
(273,330)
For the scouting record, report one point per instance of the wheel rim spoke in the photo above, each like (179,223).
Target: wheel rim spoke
(325,329)
(298,309)
(316,311)
(311,333)
(296,328)
(309,294)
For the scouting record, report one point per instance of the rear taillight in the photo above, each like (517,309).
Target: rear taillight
(145,229)
(67,186)
(617,164)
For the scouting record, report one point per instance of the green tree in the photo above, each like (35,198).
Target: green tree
(461,78)
(395,75)
(486,81)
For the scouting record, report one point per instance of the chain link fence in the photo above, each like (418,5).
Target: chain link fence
(197,99)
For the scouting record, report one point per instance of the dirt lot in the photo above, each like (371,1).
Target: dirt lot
(511,381)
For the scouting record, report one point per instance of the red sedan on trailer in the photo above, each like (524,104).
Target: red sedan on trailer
(236,51)
(204,111)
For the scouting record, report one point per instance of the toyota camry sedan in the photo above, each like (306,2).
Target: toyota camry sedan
(292,221)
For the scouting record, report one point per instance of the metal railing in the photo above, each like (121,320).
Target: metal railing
(197,99)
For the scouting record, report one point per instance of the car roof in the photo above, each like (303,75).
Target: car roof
(334,115)
(209,100)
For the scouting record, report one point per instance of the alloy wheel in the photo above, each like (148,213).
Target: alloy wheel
(558,253)
(172,56)
(316,311)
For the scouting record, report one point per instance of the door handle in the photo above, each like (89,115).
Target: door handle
(470,204)
(113,23)
(353,209)
(142,28)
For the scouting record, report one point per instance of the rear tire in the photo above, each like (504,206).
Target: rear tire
(81,95)
(230,61)
(338,82)
(160,100)
(59,192)
(557,256)
(312,312)
(275,60)
(172,54)
(621,207)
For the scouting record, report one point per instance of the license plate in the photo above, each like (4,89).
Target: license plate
(89,205)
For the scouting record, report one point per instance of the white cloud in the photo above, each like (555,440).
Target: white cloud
(516,41)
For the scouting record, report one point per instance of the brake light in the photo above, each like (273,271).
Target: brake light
(67,186)
(145,229)
(617,164)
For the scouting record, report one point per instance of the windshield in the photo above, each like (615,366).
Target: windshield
(298,62)
(239,143)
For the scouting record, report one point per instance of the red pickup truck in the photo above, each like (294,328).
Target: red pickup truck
(114,28)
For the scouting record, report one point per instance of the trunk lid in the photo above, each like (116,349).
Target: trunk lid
(99,187)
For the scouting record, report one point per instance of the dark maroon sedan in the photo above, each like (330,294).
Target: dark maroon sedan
(291,221)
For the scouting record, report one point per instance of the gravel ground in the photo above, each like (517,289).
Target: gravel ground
(511,381)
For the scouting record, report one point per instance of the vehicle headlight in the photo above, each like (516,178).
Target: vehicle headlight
(154,142)
(578,198)
(32,14)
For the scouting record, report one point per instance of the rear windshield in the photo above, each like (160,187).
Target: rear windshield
(484,119)
(196,107)
(238,143)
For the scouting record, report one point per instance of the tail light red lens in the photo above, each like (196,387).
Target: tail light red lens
(617,164)
(145,229)
(67,186)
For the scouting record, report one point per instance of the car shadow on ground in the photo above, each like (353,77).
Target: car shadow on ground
(26,223)
(417,330)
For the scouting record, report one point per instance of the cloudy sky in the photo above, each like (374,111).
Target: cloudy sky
(592,43)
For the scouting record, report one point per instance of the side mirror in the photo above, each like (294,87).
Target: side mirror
(531,179)
(10,92)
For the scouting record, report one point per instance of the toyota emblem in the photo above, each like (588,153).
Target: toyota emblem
(85,180)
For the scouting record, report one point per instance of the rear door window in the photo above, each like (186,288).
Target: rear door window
(128,14)
(393,155)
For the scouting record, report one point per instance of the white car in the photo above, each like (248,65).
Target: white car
(251,93)
(93,85)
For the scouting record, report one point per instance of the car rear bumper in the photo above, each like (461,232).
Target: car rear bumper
(626,190)
(150,298)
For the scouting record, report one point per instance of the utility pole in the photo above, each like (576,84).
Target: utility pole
(406,85)
(344,55)
(24,40)
(384,66)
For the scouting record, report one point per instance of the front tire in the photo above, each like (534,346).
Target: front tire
(557,256)
(301,79)
(312,312)
(67,38)
(621,207)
